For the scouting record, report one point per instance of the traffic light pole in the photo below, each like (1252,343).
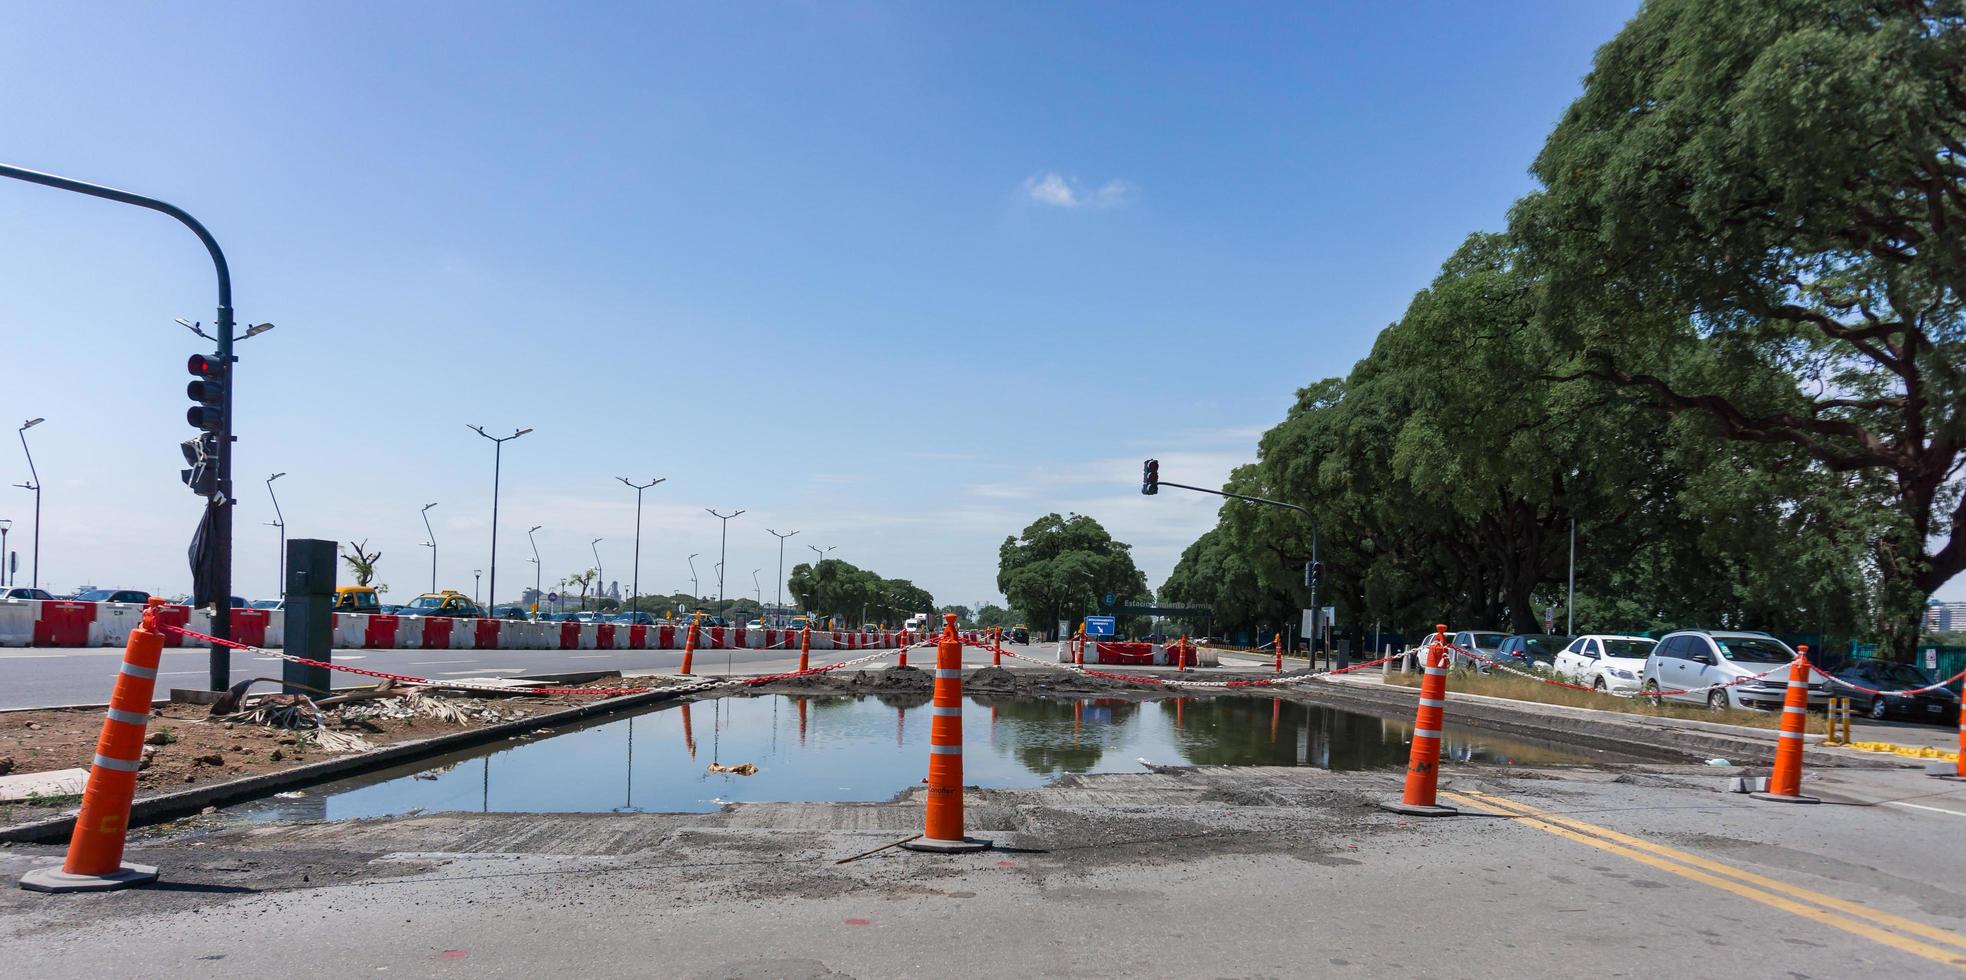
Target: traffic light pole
(1317,612)
(218,508)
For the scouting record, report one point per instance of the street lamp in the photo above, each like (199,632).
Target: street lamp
(281,523)
(694,590)
(780,601)
(822,554)
(477,577)
(33,483)
(721,544)
(5,525)
(600,576)
(431,544)
(635,583)
(498,452)
(535,569)
(759,589)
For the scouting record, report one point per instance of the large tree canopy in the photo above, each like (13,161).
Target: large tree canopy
(837,588)
(1060,567)
(1787,177)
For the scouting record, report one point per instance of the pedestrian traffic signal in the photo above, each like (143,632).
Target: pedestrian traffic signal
(201,462)
(1150,477)
(207,389)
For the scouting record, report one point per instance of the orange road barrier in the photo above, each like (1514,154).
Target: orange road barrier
(1181,650)
(1423,765)
(902,661)
(1785,783)
(689,643)
(95,851)
(805,656)
(1279,646)
(943,818)
(996,647)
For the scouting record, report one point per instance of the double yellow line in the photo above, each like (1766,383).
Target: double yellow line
(1851,917)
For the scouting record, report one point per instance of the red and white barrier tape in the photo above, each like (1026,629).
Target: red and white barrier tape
(1281,681)
(1554,682)
(1907,692)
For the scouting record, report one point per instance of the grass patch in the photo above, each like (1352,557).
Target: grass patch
(1523,689)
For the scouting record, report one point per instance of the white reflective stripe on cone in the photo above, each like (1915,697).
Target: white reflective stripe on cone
(128,717)
(947,712)
(120,765)
(1791,734)
(148,673)
(945,750)
(1433,703)
(948,672)
(1437,671)
(1426,733)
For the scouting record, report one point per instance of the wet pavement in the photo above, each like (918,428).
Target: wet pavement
(870,748)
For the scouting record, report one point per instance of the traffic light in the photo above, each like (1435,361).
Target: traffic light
(1313,574)
(207,389)
(1150,477)
(201,462)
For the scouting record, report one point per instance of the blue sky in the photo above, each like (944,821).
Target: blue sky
(904,277)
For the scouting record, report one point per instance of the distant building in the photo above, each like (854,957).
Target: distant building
(1945,617)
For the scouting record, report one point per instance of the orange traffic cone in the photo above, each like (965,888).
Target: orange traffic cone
(1957,768)
(689,739)
(95,851)
(996,647)
(1279,646)
(1423,765)
(1785,783)
(943,825)
(689,643)
(805,652)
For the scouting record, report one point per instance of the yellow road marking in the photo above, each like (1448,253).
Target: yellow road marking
(1846,906)
(1825,916)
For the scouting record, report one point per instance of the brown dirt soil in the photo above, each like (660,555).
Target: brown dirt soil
(185,747)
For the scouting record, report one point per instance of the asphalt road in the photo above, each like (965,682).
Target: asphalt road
(37,677)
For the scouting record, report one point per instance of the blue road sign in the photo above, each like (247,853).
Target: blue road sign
(1110,600)
(552,597)
(1101,626)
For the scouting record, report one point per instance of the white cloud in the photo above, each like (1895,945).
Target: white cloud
(1058,191)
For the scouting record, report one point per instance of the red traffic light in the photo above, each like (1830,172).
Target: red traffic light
(204,367)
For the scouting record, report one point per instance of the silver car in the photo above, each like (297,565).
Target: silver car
(1694,661)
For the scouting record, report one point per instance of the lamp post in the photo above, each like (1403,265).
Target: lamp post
(34,483)
(535,568)
(600,574)
(759,589)
(431,544)
(780,601)
(721,546)
(5,524)
(498,453)
(635,583)
(694,590)
(822,554)
(281,523)
(477,578)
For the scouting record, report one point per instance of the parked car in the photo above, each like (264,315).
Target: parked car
(634,619)
(588,616)
(1693,660)
(114,595)
(756,624)
(357,599)
(1937,704)
(390,610)
(269,603)
(1018,634)
(1532,651)
(42,595)
(445,603)
(1605,662)
(509,612)
(1486,643)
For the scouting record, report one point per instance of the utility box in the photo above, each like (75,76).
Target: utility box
(310,612)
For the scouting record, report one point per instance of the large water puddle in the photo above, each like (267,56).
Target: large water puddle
(870,748)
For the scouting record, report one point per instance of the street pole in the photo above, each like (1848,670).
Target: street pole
(635,588)
(5,524)
(431,544)
(1570,597)
(34,483)
(695,590)
(218,507)
(535,569)
(280,522)
(498,454)
(477,580)
(760,590)
(780,601)
(722,546)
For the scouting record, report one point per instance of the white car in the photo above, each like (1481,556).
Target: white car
(1696,661)
(1605,661)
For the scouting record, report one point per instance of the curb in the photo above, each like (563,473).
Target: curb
(154,809)
(1588,727)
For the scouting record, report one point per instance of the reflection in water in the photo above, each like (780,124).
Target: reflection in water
(844,751)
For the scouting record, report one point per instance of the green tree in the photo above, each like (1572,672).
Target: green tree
(361,562)
(836,588)
(1060,567)
(1784,180)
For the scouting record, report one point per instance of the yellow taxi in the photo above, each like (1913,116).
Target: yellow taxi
(357,599)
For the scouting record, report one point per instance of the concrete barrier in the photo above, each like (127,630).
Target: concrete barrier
(117,619)
(486,635)
(64,623)
(604,636)
(17,622)
(590,635)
